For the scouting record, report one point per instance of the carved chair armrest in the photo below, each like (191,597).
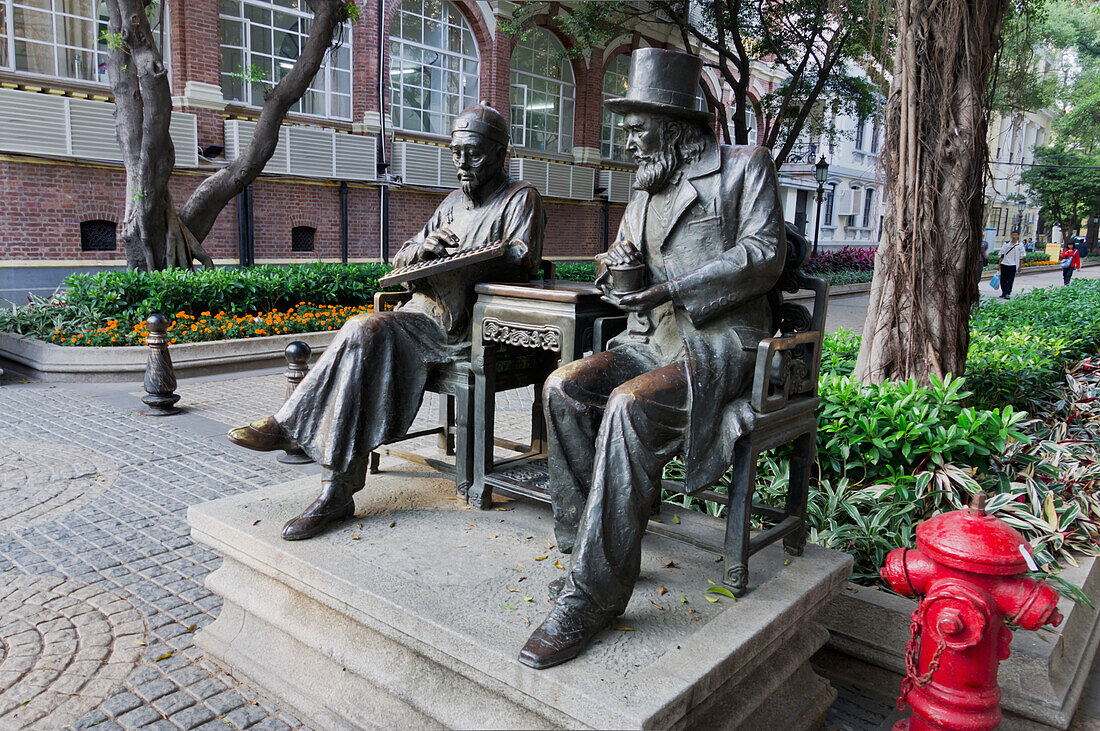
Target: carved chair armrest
(388,300)
(605,328)
(785,366)
(547,269)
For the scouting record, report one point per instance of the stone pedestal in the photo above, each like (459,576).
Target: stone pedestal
(412,615)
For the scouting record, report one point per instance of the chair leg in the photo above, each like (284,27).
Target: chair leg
(463,443)
(446,440)
(737,519)
(480,494)
(802,460)
(372,463)
(538,421)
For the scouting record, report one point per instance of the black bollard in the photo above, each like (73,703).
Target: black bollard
(297,365)
(160,377)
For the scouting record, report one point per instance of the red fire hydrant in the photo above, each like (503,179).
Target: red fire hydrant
(967,574)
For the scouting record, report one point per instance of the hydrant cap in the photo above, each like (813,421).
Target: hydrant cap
(972,540)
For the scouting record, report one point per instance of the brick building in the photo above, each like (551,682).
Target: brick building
(62,186)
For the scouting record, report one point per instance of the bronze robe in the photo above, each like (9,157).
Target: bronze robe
(368,386)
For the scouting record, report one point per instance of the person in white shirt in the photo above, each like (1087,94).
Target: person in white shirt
(1012,254)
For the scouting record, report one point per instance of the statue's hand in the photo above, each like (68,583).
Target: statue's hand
(437,243)
(647,299)
(621,253)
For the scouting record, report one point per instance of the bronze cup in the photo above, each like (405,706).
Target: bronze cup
(627,278)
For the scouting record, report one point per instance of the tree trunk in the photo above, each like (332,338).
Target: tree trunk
(927,267)
(154,234)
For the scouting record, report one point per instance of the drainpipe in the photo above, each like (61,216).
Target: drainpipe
(383,165)
(344,221)
(246,241)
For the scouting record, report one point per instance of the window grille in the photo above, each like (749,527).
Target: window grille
(260,42)
(301,238)
(868,202)
(98,235)
(433,66)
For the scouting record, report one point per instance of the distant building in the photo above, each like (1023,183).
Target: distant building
(62,185)
(1012,143)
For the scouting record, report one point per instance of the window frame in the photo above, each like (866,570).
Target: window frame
(328,72)
(8,39)
(564,120)
(830,205)
(868,206)
(397,45)
(610,121)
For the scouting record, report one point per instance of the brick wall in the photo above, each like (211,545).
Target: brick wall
(42,202)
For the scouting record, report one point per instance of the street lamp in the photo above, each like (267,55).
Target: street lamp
(1021,204)
(821,174)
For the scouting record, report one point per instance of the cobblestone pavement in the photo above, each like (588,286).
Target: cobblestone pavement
(101,587)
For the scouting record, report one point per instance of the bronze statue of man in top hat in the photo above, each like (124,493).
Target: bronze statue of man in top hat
(706,222)
(367,387)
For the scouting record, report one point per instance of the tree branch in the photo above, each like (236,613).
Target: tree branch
(204,205)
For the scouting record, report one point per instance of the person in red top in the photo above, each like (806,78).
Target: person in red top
(1070,260)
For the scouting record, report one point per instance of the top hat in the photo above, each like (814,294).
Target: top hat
(484,120)
(664,82)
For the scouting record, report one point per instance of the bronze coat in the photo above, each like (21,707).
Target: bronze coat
(724,250)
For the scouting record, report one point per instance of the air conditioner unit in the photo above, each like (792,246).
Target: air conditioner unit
(43,124)
(856,208)
(309,152)
(417,163)
(619,184)
(555,179)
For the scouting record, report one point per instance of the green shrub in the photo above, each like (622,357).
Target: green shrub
(576,271)
(130,295)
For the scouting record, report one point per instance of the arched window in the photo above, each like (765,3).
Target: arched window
(97,235)
(433,66)
(612,136)
(750,124)
(261,40)
(542,94)
(61,38)
(301,238)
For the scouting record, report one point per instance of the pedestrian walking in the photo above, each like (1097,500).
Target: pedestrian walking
(1070,260)
(1012,253)
(985,254)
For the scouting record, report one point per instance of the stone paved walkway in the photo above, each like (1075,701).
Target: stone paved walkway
(101,587)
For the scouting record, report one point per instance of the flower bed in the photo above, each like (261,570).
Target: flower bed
(205,327)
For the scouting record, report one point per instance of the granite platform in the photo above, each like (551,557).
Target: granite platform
(412,614)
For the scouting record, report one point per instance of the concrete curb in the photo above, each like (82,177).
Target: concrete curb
(44,361)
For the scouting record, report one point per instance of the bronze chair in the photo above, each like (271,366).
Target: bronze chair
(454,382)
(784,396)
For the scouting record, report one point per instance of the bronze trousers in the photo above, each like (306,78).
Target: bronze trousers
(614,420)
(366,388)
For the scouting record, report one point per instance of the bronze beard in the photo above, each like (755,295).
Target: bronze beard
(680,143)
(484,175)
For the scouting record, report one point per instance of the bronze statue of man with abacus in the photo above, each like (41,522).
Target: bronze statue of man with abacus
(367,387)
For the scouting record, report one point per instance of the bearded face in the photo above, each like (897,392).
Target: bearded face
(477,161)
(650,141)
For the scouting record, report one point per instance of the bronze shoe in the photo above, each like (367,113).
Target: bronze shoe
(564,634)
(555,588)
(317,518)
(264,435)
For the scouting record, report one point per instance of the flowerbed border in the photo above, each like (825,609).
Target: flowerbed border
(42,361)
